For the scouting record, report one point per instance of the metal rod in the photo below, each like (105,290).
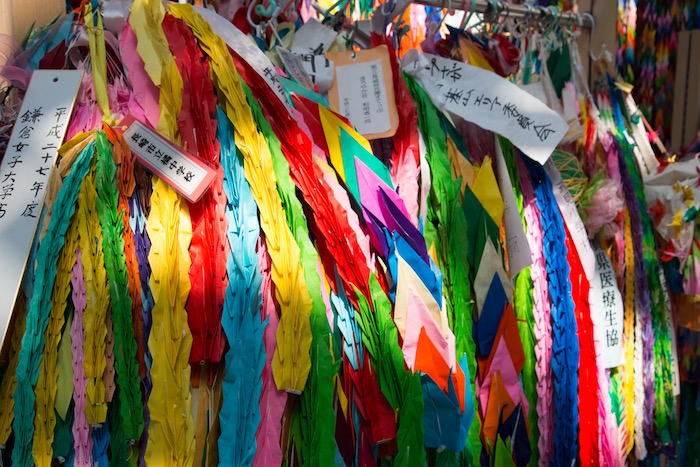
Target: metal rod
(515,11)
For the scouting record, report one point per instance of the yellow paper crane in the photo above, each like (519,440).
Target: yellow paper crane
(171,432)
(90,241)
(677,223)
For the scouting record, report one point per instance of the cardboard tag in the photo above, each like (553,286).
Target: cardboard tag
(519,256)
(363,91)
(490,101)
(186,174)
(607,310)
(569,212)
(295,68)
(24,174)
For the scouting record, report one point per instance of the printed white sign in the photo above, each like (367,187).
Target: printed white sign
(295,68)
(246,48)
(38,132)
(490,101)
(362,96)
(187,177)
(569,212)
(607,310)
(519,256)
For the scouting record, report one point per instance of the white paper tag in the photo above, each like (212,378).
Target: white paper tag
(295,68)
(519,256)
(311,42)
(362,96)
(319,69)
(243,46)
(572,219)
(490,101)
(607,311)
(313,37)
(185,174)
(676,380)
(31,153)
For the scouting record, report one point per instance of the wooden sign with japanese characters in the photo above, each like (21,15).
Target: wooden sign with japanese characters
(24,174)
(187,175)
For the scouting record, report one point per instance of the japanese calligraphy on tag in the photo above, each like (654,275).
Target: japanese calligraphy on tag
(607,310)
(295,68)
(187,175)
(363,91)
(313,37)
(569,212)
(311,42)
(24,174)
(490,101)
(363,97)
(319,69)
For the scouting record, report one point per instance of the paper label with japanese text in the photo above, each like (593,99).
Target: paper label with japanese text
(311,42)
(607,311)
(569,212)
(363,98)
(490,101)
(295,68)
(313,37)
(24,174)
(363,91)
(187,175)
(320,70)
(519,256)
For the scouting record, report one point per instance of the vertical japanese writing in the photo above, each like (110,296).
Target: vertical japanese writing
(167,162)
(24,172)
(317,67)
(25,132)
(363,97)
(607,306)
